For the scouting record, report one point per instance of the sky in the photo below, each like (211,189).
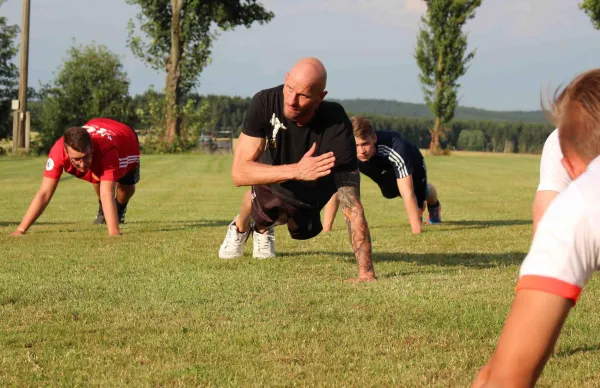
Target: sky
(523,47)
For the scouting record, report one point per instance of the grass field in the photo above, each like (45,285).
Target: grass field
(158,307)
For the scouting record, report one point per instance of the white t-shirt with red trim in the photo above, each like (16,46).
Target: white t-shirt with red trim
(116,151)
(553,175)
(566,248)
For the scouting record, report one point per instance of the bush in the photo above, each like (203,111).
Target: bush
(90,83)
(471,140)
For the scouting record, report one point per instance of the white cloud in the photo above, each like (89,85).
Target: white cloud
(512,19)
(535,17)
(416,5)
(528,18)
(397,13)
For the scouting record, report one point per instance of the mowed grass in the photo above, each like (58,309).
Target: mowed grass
(158,307)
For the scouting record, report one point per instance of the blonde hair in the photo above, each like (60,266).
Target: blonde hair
(362,127)
(575,110)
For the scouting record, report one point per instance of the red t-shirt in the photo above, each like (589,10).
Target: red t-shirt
(116,152)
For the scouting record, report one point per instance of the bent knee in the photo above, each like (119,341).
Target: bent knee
(389,195)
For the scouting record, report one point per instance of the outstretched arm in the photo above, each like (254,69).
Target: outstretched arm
(329,213)
(360,237)
(107,197)
(38,204)
(405,186)
(527,340)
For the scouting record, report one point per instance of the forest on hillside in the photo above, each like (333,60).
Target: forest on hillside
(407,109)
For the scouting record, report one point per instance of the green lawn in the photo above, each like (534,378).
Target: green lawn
(158,307)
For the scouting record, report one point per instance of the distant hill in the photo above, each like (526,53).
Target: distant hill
(407,109)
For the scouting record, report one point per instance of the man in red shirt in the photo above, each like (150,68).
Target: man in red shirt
(104,152)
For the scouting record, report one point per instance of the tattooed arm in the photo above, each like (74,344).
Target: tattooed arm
(360,237)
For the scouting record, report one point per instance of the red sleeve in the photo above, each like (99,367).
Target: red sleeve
(110,166)
(55,163)
(549,285)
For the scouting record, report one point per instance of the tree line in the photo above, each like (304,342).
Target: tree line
(227,113)
(493,135)
(406,109)
(74,96)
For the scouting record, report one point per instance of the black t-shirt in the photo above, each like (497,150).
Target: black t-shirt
(287,143)
(393,153)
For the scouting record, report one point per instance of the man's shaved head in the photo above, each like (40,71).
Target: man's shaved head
(304,89)
(312,72)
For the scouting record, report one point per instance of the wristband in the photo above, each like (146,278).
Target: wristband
(21,230)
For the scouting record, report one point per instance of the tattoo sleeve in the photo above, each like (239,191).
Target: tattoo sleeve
(360,237)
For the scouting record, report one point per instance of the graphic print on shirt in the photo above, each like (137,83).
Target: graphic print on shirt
(277,125)
(99,131)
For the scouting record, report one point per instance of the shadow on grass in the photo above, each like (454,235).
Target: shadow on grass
(172,226)
(470,259)
(473,260)
(160,226)
(579,349)
(16,223)
(462,225)
(482,224)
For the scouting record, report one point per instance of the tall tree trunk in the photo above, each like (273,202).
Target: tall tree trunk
(434,145)
(173,73)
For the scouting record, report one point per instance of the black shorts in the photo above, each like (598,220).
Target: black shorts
(267,210)
(132,177)
(388,184)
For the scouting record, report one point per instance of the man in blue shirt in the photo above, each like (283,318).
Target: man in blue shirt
(399,170)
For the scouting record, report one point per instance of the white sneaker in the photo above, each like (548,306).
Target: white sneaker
(264,244)
(233,245)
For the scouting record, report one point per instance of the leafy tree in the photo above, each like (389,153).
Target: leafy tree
(9,74)
(471,140)
(149,108)
(179,36)
(592,8)
(440,54)
(90,83)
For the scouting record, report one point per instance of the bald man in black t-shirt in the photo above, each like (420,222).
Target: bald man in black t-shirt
(296,151)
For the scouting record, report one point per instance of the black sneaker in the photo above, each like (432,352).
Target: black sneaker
(121,214)
(99,217)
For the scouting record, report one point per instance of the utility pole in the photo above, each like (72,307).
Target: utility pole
(22,113)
